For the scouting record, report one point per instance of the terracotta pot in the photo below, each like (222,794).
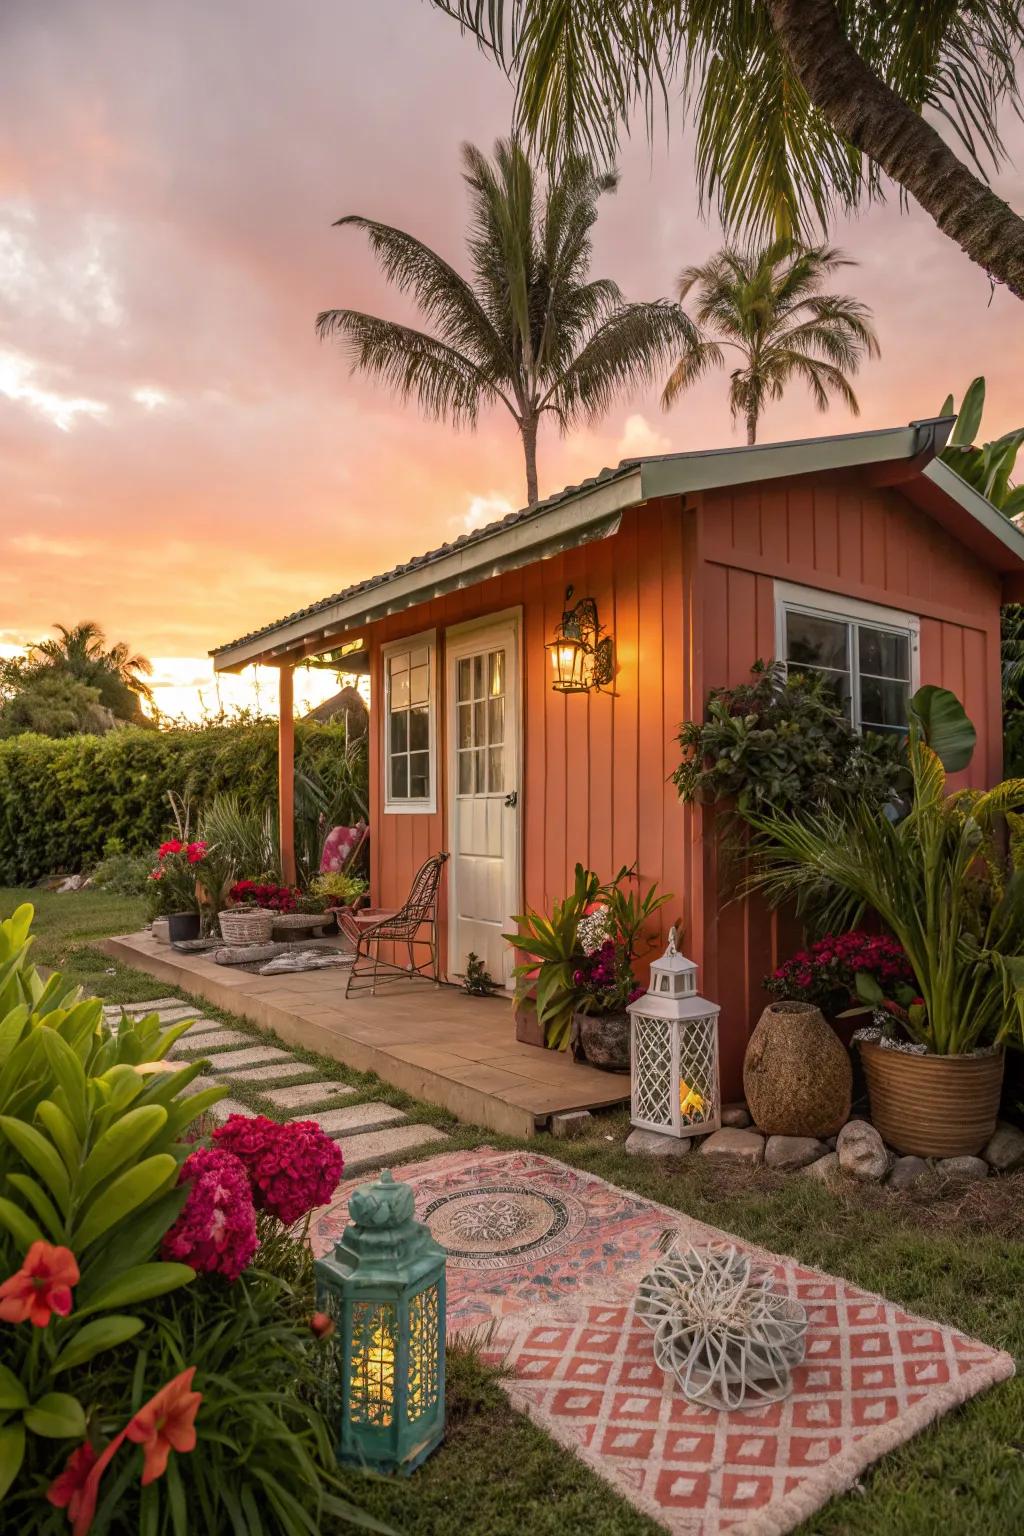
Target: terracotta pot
(796,1073)
(182,927)
(933,1106)
(528,1030)
(602,1039)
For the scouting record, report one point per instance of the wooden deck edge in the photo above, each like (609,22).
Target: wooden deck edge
(467,1104)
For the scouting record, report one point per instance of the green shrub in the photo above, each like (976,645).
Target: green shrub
(61,801)
(124,874)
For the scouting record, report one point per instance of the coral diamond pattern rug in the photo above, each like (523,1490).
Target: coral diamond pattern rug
(554,1255)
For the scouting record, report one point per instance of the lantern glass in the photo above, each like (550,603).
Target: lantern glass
(371,1381)
(569,664)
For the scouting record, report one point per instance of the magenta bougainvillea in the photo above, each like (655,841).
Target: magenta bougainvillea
(825,974)
(292,1168)
(216,1230)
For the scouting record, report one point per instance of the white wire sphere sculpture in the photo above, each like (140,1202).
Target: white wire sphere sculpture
(729,1340)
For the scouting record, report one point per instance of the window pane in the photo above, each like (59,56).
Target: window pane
(478,677)
(496,769)
(399,778)
(419,729)
(399,687)
(419,685)
(465,773)
(883,654)
(496,673)
(465,679)
(883,704)
(495,720)
(419,775)
(420,656)
(465,725)
(815,642)
(399,730)
(838,685)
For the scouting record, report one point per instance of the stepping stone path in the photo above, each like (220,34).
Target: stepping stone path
(370,1134)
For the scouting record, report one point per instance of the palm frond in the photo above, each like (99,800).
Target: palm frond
(697,359)
(627,350)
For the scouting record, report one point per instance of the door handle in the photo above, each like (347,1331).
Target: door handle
(512,799)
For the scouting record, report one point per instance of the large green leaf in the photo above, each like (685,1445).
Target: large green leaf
(12,1393)
(41,1155)
(12,1453)
(942,722)
(968,421)
(57,1416)
(103,1333)
(121,1144)
(39,1200)
(123,1196)
(62,1133)
(140,1283)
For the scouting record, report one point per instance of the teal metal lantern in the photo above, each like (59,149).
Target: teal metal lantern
(384,1288)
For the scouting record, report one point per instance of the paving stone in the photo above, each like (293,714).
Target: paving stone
(227,1061)
(735,1116)
(227,1107)
(212,1040)
(1005,1151)
(305,1094)
(198,1084)
(964,1168)
(204,1027)
(274,1073)
(357,1118)
(377,1147)
(654,1144)
(736,1145)
(862,1152)
(133,1008)
(574,1122)
(825,1168)
(906,1171)
(789,1152)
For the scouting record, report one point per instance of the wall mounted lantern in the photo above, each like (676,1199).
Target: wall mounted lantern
(582,656)
(384,1289)
(675,1051)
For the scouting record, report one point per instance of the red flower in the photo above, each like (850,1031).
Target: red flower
(195,852)
(174,846)
(165,1424)
(216,1229)
(292,1168)
(41,1286)
(321,1325)
(76,1489)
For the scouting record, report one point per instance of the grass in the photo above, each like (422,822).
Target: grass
(957,1256)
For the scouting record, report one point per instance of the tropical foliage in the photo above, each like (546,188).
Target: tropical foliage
(73,683)
(827,971)
(764,310)
(801,107)
(939,878)
(532,331)
(988,468)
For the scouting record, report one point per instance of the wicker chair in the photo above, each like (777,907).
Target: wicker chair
(414,924)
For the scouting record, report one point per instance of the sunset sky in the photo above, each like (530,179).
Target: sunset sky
(180,458)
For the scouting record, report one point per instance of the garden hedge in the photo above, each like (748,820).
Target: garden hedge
(61,800)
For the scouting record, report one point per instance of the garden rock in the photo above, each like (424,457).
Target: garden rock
(736,1116)
(861,1151)
(789,1152)
(654,1144)
(907,1171)
(963,1169)
(797,1076)
(74,883)
(1005,1151)
(825,1168)
(735,1146)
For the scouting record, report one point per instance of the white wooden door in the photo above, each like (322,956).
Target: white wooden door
(483,800)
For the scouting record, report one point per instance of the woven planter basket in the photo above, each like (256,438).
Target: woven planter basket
(295,924)
(246,925)
(933,1106)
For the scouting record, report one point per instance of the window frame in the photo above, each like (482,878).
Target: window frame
(851,611)
(393,805)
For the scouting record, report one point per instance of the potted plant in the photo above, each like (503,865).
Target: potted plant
(172,888)
(551,947)
(340,892)
(825,974)
(941,880)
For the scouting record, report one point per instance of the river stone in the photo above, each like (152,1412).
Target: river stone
(906,1171)
(797,1076)
(1005,1151)
(736,1116)
(824,1168)
(654,1144)
(862,1152)
(736,1146)
(966,1169)
(789,1152)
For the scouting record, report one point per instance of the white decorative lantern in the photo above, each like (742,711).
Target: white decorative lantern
(675,1051)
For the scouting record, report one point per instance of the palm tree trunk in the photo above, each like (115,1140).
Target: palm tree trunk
(869,115)
(528,431)
(751,427)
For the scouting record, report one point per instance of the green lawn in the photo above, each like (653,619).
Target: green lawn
(960,1260)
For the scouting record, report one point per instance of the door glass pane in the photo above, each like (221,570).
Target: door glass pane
(496,769)
(465,725)
(465,679)
(883,705)
(419,728)
(496,673)
(419,685)
(419,775)
(481,771)
(495,720)
(816,642)
(465,773)
(883,654)
(399,730)
(478,677)
(400,778)
(479,724)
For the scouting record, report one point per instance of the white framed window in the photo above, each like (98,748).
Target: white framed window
(410,724)
(869,654)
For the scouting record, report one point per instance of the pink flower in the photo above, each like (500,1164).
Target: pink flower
(216,1230)
(292,1168)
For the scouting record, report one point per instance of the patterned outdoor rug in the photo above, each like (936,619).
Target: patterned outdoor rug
(554,1255)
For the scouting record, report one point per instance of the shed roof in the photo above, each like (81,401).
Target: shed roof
(593,510)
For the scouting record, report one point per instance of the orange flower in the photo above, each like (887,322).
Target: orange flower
(166,1423)
(76,1489)
(41,1287)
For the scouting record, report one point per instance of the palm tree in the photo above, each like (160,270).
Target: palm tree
(116,672)
(768,306)
(800,106)
(531,331)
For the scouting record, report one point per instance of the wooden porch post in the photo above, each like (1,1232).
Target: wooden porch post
(286,772)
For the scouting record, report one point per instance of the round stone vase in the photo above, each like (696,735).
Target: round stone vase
(602,1040)
(797,1075)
